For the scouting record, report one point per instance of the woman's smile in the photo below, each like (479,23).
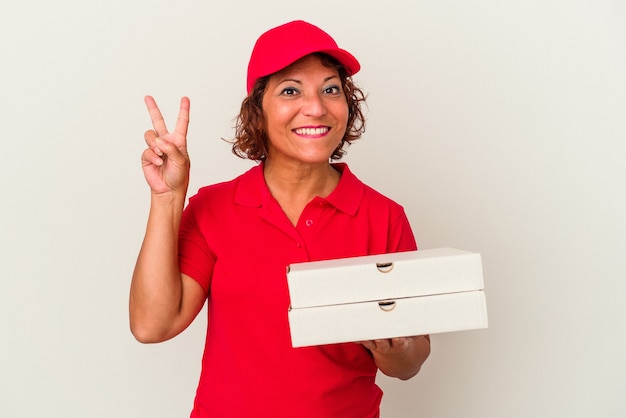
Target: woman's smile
(312,131)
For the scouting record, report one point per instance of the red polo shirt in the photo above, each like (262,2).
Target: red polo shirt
(236,242)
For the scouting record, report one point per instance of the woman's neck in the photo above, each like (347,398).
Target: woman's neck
(295,186)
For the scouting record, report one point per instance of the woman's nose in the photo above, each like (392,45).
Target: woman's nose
(314,106)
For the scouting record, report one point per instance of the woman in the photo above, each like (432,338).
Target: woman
(233,242)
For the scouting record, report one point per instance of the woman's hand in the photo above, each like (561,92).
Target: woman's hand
(399,357)
(388,346)
(165,162)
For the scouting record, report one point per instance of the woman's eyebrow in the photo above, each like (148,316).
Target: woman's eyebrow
(286,80)
(298,81)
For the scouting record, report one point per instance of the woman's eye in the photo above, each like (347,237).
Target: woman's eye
(332,90)
(289,91)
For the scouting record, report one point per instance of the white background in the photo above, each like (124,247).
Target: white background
(499,125)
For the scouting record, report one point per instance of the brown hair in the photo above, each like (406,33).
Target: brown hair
(251,140)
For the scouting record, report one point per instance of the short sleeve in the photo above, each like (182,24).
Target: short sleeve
(194,256)
(401,236)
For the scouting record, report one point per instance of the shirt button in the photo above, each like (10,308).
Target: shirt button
(309,222)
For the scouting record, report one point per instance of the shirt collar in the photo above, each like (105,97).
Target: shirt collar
(252,191)
(348,194)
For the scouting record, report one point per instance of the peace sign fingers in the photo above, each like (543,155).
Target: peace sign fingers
(158,123)
(183,117)
(179,136)
(166,162)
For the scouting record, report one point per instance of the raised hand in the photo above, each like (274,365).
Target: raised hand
(165,162)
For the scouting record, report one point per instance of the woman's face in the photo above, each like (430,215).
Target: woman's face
(306,112)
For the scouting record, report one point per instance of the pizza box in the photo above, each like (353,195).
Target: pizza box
(386,296)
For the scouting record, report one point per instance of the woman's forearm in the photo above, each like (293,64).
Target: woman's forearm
(156,288)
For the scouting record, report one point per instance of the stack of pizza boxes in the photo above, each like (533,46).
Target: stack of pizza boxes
(386,296)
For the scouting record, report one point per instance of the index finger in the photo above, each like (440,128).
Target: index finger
(158,123)
(182,123)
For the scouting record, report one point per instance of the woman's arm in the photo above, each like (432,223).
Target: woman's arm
(163,302)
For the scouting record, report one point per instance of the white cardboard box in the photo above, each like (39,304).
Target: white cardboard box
(386,296)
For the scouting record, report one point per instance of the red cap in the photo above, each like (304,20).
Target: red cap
(285,44)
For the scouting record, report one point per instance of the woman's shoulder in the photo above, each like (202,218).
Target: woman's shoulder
(225,191)
(354,192)
(375,195)
(379,202)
